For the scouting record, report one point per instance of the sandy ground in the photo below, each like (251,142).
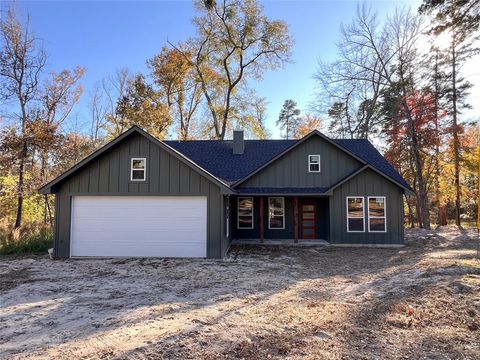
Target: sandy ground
(420,301)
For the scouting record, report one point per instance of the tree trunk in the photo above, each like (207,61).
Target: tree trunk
(419,210)
(423,208)
(44,175)
(49,211)
(441,209)
(456,141)
(21,185)
(411,217)
(422,196)
(442,215)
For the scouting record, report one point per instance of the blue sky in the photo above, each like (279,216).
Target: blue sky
(105,36)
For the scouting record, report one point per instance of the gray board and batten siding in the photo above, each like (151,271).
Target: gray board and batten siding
(367,183)
(166,175)
(291,169)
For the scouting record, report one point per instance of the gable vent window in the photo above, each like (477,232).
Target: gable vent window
(355,214)
(314,163)
(245,213)
(138,169)
(376,214)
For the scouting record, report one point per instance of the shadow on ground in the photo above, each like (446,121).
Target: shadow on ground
(331,303)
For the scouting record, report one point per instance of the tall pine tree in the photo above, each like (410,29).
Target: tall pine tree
(289,119)
(460,20)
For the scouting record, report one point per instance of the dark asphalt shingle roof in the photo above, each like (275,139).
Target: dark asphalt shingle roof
(216,156)
(288,190)
(368,153)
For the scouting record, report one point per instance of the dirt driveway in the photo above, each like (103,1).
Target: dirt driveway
(421,301)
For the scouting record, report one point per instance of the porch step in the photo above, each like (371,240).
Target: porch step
(281,242)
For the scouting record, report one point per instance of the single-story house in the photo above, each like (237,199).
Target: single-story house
(138,196)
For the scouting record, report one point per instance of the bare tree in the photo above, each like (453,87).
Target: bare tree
(21,63)
(249,112)
(234,41)
(351,87)
(115,89)
(56,99)
(98,112)
(375,60)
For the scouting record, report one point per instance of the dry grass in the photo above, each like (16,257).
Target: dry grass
(28,239)
(421,301)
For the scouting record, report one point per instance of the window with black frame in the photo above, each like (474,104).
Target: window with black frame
(245,213)
(276,213)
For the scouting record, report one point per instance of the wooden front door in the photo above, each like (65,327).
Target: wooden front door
(309,221)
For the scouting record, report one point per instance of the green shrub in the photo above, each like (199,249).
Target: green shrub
(29,239)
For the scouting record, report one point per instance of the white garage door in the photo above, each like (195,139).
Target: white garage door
(139,226)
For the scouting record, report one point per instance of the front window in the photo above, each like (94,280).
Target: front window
(276,213)
(138,169)
(355,214)
(376,214)
(245,213)
(313,163)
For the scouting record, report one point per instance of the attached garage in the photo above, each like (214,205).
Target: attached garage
(138,197)
(139,226)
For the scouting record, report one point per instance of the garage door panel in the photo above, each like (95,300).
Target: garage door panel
(92,237)
(132,211)
(139,226)
(151,224)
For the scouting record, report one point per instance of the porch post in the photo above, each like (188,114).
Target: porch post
(261,219)
(295,219)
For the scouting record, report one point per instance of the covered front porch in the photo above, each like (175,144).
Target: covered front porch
(280,219)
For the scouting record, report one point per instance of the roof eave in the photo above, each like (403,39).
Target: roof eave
(326,193)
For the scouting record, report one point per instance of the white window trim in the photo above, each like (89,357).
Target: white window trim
(310,163)
(144,169)
(377,217)
(238,212)
(346,208)
(283,215)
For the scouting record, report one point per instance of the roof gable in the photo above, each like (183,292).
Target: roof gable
(134,130)
(295,145)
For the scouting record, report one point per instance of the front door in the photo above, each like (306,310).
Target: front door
(309,221)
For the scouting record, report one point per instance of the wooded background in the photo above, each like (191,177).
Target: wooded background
(385,85)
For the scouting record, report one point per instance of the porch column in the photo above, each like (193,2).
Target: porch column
(261,219)
(295,219)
